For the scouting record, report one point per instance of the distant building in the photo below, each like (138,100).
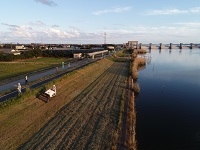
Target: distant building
(15,52)
(20,47)
(110,47)
(132,44)
(77,55)
(10,51)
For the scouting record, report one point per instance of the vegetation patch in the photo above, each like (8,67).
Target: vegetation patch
(21,67)
(137,62)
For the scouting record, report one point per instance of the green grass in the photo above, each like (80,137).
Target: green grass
(51,60)
(12,69)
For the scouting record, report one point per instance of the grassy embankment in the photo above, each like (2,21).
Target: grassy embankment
(125,135)
(26,115)
(131,142)
(21,67)
(120,56)
(136,63)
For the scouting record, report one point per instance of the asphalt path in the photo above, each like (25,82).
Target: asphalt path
(52,73)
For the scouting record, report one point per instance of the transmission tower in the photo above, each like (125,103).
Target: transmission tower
(104,37)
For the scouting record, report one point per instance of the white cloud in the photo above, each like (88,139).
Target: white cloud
(176,33)
(195,10)
(47,2)
(166,12)
(189,24)
(112,10)
(55,33)
(173,11)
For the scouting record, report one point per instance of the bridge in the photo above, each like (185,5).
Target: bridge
(167,46)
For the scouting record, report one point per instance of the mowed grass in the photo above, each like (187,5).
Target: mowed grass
(21,120)
(12,69)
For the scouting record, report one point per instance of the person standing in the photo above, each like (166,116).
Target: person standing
(54,88)
(63,65)
(26,79)
(19,89)
(56,69)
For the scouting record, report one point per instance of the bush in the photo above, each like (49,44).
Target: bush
(24,55)
(135,64)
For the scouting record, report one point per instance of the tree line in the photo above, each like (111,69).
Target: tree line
(32,54)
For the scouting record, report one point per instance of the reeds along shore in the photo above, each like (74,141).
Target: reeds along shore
(136,63)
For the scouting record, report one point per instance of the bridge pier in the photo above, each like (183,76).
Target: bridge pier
(160,46)
(150,44)
(181,45)
(170,45)
(191,45)
(140,46)
(137,46)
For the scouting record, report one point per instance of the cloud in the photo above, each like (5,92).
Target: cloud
(47,2)
(189,24)
(55,26)
(166,12)
(59,34)
(175,33)
(10,25)
(195,10)
(112,10)
(173,11)
(28,34)
(37,23)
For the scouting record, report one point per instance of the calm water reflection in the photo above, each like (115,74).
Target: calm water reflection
(168,106)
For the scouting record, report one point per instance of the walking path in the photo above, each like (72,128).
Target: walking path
(12,86)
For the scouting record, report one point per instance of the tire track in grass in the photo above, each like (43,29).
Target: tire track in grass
(70,124)
(92,123)
(105,120)
(106,139)
(82,121)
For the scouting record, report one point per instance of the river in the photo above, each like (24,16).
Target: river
(168,106)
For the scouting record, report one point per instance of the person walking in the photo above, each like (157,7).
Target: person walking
(19,89)
(56,69)
(63,65)
(26,79)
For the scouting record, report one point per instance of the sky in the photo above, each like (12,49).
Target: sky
(99,21)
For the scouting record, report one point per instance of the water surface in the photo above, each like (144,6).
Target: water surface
(168,106)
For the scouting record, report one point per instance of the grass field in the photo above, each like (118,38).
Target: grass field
(12,69)
(85,114)
(91,99)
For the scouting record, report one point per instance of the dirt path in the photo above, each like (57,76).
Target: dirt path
(90,120)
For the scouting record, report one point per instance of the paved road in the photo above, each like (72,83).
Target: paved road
(13,84)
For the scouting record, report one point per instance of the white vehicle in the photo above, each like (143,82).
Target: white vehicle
(48,94)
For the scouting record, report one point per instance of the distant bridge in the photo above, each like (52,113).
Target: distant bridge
(167,46)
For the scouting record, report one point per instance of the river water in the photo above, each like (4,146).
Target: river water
(168,106)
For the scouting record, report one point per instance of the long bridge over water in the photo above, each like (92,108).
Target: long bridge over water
(166,46)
